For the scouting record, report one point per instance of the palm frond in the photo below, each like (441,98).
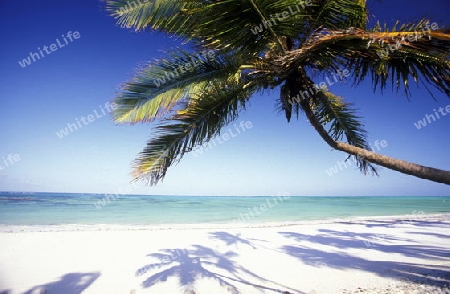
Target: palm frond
(245,25)
(228,24)
(341,14)
(158,87)
(166,15)
(342,123)
(426,59)
(201,120)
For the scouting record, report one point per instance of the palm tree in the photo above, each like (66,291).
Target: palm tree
(266,44)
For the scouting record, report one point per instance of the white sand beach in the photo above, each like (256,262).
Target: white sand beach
(377,255)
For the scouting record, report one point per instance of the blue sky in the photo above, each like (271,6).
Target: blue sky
(272,156)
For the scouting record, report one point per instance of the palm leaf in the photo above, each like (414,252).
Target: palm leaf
(157,88)
(426,60)
(342,123)
(230,24)
(340,14)
(428,68)
(201,120)
(165,15)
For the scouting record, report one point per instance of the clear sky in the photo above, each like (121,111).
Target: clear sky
(78,78)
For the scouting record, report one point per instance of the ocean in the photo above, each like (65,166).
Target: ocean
(44,209)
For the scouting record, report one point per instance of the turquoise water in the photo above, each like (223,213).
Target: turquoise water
(63,209)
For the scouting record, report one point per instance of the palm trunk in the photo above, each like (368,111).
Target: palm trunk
(423,172)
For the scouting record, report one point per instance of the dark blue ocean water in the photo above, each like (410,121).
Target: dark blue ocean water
(85,209)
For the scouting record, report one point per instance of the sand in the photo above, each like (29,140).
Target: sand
(377,255)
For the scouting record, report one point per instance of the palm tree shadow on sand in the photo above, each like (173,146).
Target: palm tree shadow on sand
(231,239)
(200,262)
(72,283)
(437,274)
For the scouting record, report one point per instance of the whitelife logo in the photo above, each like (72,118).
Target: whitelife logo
(423,123)
(224,137)
(11,158)
(53,47)
(280,17)
(340,165)
(202,57)
(86,120)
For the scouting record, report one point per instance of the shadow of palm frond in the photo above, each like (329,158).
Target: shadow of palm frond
(231,239)
(381,242)
(433,275)
(433,234)
(421,273)
(190,265)
(186,266)
(72,283)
